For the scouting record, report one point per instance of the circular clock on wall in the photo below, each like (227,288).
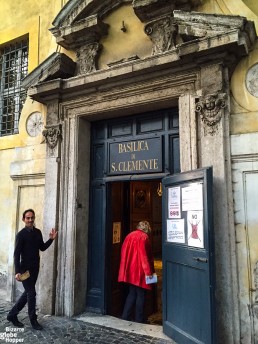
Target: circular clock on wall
(35,124)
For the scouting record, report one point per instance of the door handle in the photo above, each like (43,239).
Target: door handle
(202,260)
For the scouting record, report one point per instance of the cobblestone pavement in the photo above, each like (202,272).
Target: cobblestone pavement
(62,330)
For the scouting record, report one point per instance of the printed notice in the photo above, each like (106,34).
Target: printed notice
(174,208)
(195,228)
(116,232)
(192,197)
(176,231)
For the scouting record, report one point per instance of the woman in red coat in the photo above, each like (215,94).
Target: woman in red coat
(136,263)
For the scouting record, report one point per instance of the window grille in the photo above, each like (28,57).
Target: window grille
(13,68)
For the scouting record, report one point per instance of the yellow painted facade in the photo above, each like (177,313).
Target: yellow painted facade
(22,157)
(17,20)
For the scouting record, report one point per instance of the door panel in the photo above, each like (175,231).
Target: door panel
(95,295)
(188,266)
(186,298)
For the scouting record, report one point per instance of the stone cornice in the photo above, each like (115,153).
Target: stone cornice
(149,9)
(29,177)
(193,53)
(80,27)
(57,65)
(87,30)
(245,158)
(75,10)
(122,97)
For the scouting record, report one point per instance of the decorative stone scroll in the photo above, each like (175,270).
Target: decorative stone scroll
(87,56)
(179,27)
(210,108)
(162,33)
(52,135)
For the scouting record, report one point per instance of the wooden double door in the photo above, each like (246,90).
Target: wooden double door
(131,202)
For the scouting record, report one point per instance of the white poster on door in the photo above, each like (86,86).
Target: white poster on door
(176,231)
(195,229)
(192,197)
(174,207)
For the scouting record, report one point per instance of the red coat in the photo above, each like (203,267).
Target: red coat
(136,259)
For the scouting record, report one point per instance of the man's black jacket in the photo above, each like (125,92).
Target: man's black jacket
(27,245)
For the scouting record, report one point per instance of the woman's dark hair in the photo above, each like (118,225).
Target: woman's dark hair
(27,211)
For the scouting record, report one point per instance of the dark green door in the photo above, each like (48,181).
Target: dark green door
(188,260)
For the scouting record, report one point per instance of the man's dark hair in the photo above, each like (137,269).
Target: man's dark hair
(27,211)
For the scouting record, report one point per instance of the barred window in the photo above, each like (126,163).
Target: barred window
(13,68)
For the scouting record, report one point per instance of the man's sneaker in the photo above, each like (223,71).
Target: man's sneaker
(36,325)
(14,320)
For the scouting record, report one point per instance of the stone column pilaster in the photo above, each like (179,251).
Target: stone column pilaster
(213,112)
(47,276)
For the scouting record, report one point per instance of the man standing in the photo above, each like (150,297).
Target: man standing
(28,242)
(136,264)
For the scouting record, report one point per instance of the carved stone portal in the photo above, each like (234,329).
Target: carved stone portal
(52,135)
(210,108)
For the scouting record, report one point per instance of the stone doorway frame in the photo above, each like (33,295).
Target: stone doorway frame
(198,148)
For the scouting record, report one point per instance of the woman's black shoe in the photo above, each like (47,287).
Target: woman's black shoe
(14,320)
(36,325)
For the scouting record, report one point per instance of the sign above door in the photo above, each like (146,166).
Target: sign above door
(139,156)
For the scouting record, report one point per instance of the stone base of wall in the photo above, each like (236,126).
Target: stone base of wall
(3,280)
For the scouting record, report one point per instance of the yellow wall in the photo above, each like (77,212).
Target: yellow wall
(244,106)
(19,18)
(121,45)
(6,206)
(33,18)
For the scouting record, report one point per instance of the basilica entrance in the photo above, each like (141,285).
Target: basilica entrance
(135,175)
(131,202)
(129,157)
